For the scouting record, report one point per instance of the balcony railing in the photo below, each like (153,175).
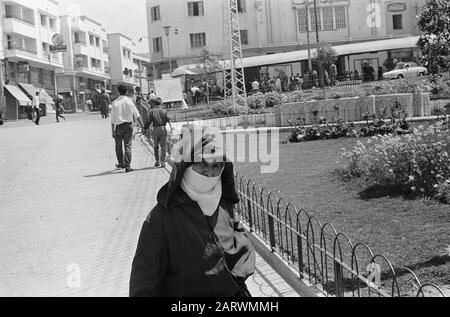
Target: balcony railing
(19,18)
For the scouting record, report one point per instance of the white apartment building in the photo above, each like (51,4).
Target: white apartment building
(280,26)
(27,28)
(86,63)
(142,72)
(121,50)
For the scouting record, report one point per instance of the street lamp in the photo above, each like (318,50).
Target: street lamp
(167,30)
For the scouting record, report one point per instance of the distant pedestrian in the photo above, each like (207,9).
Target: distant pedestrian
(105,103)
(380,73)
(151,96)
(278,85)
(59,109)
(315,77)
(29,110)
(37,107)
(333,74)
(123,114)
(255,86)
(89,104)
(159,119)
(196,94)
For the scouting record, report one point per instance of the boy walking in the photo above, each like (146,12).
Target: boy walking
(159,118)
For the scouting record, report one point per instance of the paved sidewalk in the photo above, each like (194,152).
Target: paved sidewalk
(63,206)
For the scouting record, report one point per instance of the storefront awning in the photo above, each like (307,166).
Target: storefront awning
(31,92)
(18,95)
(377,46)
(29,89)
(296,56)
(45,96)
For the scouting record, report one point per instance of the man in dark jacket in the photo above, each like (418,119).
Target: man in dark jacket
(105,102)
(190,246)
(159,119)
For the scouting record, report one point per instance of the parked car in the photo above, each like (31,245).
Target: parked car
(406,70)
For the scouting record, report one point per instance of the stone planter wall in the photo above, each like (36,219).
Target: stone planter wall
(349,109)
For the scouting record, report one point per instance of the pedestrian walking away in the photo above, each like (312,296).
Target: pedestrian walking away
(123,115)
(159,119)
(105,102)
(192,243)
(37,108)
(59,109)
(30,110)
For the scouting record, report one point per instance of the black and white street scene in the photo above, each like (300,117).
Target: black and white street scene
(225,149)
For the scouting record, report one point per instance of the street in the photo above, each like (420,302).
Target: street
(65,210)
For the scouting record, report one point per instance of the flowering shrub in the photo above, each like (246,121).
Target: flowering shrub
(419,162)
(324,132)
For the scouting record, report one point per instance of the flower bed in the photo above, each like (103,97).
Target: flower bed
(419,162)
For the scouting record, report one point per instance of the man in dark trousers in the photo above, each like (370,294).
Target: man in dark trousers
(159,118)
(59,108)
(123,114)
(37,107)
(105,101)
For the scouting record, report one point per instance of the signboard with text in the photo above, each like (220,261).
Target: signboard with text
(58,48)
(169,90)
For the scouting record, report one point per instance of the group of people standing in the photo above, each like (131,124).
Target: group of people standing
(124,113)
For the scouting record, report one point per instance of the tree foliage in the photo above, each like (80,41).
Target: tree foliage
(434,22)
(325,54)
(208,62)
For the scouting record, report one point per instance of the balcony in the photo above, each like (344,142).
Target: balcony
(93,72)
(80,49)
(16,26)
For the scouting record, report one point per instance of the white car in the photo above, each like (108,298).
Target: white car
(406,70)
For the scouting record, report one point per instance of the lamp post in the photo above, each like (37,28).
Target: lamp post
(167,30)
(321,79)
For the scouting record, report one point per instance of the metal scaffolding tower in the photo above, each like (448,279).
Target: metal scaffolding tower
(234,78)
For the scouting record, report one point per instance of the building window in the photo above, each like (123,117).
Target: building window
(45,49)
(198,40)
(196,9)
(244,37)
(51,23)
(97,42)
(302,19)
(43,20)
(313,20)
(328,23)
(91,40)
(397,20)
(341,21)
(156,14)
(242,8)
(157,44)
(77,37)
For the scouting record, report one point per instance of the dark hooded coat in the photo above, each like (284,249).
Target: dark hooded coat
(180,250)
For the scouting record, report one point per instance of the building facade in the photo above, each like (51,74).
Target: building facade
(121,51)
(27,64)
(86,63)
(278,26)
(143,76)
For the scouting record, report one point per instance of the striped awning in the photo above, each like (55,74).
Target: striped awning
(45,96)
(18,95)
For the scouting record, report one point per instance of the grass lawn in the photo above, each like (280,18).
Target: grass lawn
(413,233)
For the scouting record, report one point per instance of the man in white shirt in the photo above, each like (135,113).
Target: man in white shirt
(36,107)
(123,114)
(255,86)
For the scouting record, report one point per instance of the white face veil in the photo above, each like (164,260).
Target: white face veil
(206,191)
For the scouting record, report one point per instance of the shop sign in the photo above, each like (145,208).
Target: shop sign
(397,7)
(58,44)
